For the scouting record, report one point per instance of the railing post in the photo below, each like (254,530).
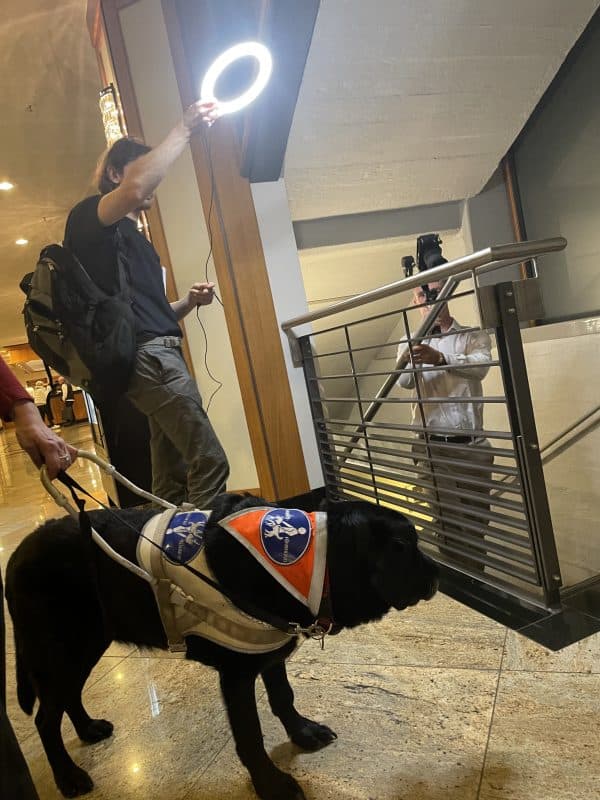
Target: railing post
(522,419)
(316,407)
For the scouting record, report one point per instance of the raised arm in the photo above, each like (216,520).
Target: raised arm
(141,177)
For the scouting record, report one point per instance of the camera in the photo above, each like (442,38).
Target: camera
(429,251)
(429,255)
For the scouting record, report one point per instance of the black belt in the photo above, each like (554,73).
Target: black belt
(437,437)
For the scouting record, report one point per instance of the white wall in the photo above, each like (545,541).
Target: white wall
(487,222)
(185,229)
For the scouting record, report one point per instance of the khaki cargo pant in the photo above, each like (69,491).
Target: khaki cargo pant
(188,462)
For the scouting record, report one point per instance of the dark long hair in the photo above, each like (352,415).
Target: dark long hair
(117,157)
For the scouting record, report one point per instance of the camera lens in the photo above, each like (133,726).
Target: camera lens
(429,251)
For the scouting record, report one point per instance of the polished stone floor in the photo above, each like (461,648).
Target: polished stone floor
(436,703)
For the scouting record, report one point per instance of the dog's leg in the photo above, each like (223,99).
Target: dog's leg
(303,732)
(88,729)
(70,779)
(269,781)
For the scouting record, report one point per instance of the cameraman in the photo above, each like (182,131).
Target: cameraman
(462,359)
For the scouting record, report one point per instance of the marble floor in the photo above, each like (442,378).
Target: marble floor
(435,703)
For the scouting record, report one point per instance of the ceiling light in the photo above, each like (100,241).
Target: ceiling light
(6,186)
(265,64)
(22,241)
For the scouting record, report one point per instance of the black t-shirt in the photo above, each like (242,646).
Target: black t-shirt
(94,245)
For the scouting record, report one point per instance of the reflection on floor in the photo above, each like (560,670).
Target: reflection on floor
(436,703)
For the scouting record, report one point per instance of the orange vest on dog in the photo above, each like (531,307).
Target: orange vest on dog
(290,544)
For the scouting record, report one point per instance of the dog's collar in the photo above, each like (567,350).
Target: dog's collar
(324,623)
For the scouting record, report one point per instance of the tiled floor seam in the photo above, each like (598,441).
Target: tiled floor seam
(487,741)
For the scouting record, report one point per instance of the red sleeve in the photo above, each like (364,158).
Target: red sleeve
(10,391)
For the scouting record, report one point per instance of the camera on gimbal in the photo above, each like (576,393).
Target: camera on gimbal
(429,255)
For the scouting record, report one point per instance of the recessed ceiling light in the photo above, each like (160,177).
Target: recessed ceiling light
(6,186)
(22,241)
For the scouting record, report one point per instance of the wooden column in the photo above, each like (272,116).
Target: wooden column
(239,262)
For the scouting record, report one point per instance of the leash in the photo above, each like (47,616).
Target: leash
(321,627)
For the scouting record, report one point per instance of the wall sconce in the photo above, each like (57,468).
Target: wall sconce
(111,115)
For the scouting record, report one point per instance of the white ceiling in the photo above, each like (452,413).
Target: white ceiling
(50,135)
(415,102)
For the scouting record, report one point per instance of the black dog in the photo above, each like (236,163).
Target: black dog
(68,601)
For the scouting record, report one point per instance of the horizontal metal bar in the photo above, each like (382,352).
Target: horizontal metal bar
(413,400)
(443,368)
(432,460)
(431,546)
(333,470)
(461,521)
(425,503)
(395,426)
(507,567)
(496,253)
(394,312)
(527,576)
(391,470)
(498,452)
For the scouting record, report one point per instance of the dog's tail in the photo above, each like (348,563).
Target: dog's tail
(25,690)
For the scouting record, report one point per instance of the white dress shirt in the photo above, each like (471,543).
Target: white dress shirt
(460,347)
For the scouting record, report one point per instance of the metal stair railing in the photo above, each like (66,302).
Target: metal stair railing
(507,543)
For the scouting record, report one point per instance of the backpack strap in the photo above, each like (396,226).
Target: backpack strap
(123,273)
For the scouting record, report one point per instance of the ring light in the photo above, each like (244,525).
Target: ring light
(265,64)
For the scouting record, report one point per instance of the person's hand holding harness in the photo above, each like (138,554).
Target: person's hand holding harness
(39,442)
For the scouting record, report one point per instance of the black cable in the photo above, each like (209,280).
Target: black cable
(206,141)
(216,380)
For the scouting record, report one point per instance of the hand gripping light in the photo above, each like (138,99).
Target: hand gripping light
(265,64)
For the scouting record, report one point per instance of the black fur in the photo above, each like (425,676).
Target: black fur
(67,601)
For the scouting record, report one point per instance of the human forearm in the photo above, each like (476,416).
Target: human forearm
(10,391)
(181,308)
(473,365)
(146,172)
(139,178)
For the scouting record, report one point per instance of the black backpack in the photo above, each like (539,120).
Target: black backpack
(83,333)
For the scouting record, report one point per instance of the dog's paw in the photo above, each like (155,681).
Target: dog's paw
(279,786)
(75,782)
(311,735)
(97,730)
